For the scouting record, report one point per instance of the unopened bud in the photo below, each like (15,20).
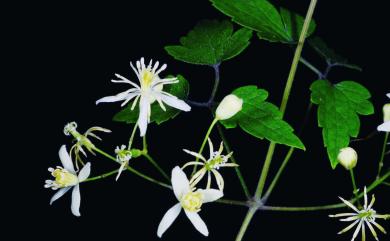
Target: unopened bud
(386,112)
(228,107)
(347,158)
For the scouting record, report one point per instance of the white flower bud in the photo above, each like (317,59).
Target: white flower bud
(348,158)
(228,107)
(386,112)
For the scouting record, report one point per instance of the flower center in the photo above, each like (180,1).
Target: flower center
(192,201)
(63,178)
(215,163)
(146,79)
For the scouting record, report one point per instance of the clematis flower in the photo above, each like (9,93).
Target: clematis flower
(82,140)
(191,200)
(386,118)
(362,218)
(66,178)
(211,165)
(123,156)
(149,90)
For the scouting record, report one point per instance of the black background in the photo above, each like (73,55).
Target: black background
(69,53)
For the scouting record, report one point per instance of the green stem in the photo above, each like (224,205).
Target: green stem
(132,136)
(283,106)
(278,174)
(133,170)
(331,206)
(355,190)
(237,169)
(204,142)
(101,176)
(382,155)
(311,67)
(251,212)
(155,164)
(232,202)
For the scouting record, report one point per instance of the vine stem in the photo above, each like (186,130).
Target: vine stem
(132,136)
(355,190)
(151,160)
(237,169)
(286,94)
(133,170)
(215,121)
(216,84)
(311,67)
(380,166)
(104,175)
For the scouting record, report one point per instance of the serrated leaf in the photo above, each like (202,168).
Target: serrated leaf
(180,90)
(339,106)
(329,54)
(261,118)
(265,19)
(210,43)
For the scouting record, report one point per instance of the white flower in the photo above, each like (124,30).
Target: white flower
(190,200)
(361,218)
(123,156)
(82,140)
(228,107)
(347,157)
(67,178)
(386,117)
(149,90)
(211,165)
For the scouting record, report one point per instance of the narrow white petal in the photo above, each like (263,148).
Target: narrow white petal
(365,198)
(59,194)
(219,179)
(349,227)
(364,233)
(195,155)
(129,97)
(384,127)
(343,215)
(210,195)
(175,102)
(349,204)
(382,229)
(66,160)
(192,163)
(355,234)
(120,170)
(168,219)
(143,114)
(76,199)
(211,148)
(195,179)
(119,97)
(180,183)
(198,223)
(372,230)
(388,95)
(350,219)
(372,202)
(84,172)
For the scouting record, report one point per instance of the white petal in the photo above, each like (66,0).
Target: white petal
(76,199)
(355,234)
(384,127)
(219,179)
(175,102)
(168,219)
(388,95)
(349,204)
(180,183)
(66,160)
(198,223)
(365,198)
(372,230)
(210,195)
(143,114)
(85,171)
(119,97)
(199,156)
(59,194)
(211,148)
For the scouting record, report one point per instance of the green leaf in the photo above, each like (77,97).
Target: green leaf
(265,19)
(339,106)
(329,54)
(262,119)
(210,43)
(180,90)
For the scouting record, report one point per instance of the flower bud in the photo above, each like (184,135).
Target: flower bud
(228,107)
(386,112)
(347,158)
